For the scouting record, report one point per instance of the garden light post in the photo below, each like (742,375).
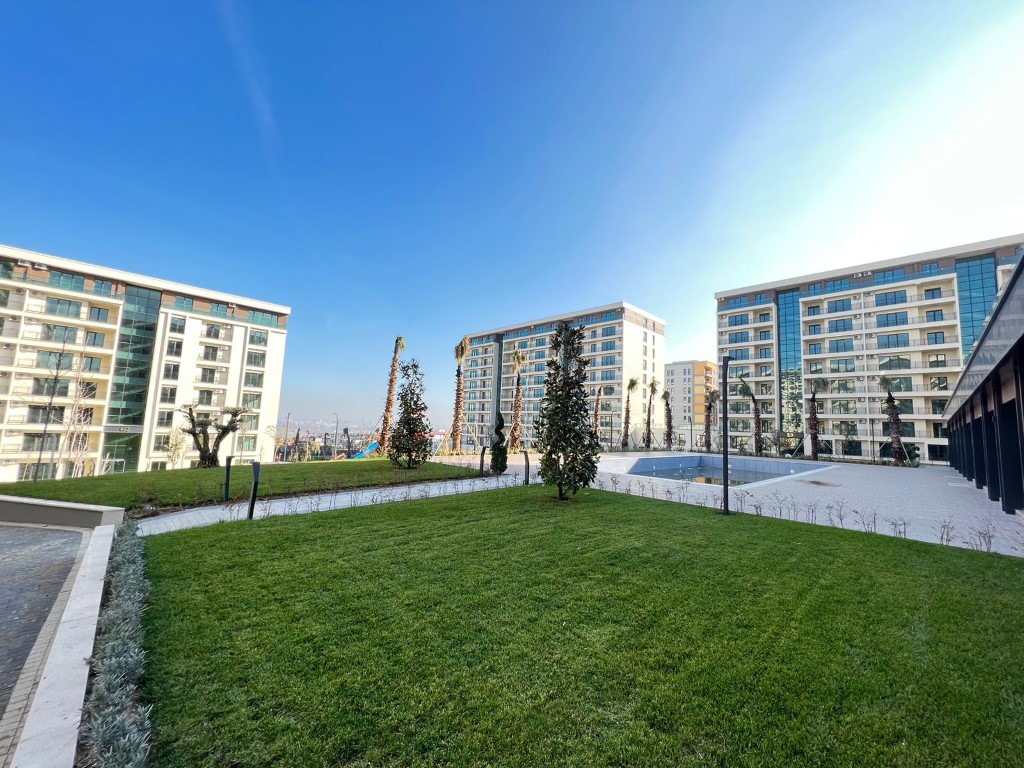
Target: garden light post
(255,487)
(334,453)
(690,419)
(725,434)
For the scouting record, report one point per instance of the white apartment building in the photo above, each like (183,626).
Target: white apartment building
(688,383)
(906,323)
(94,363)
(622,342)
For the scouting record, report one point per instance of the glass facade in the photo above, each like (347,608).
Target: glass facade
(132,365)
(790,361)
(976,292)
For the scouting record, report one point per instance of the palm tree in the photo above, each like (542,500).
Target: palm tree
(631,387)
(819,384)
(652,388)
(892,410)
(516,431)
(667,397)
(461,350)
(389,404)
(710,401)
(745,390)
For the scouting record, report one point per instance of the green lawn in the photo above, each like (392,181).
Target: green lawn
(505,628)
(194,487)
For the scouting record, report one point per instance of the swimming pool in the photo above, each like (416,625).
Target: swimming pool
(707,468)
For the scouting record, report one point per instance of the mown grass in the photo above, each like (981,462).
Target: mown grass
(506,628)
(194,487)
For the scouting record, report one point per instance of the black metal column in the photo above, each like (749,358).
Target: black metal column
(990,478)
(1009,459)
(978,448)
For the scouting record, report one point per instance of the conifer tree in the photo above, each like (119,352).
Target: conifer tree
(410,438)
(565,434)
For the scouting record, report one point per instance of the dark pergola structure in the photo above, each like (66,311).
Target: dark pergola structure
(985,415)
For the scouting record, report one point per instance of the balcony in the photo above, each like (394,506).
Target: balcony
(950,362)
(951,340)
(104,296)
(948,318)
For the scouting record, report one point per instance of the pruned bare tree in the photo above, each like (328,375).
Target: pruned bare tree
(198,426)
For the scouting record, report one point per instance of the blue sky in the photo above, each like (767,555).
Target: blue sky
(390,168)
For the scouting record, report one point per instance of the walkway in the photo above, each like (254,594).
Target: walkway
(34,566)
(321,502)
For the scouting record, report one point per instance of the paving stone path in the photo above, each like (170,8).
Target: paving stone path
(34,564)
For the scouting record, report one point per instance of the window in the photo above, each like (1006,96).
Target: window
(541,342)
(41,414)
(253,379)
(840,326)
(89,389)
(844,406)
(813,330)
(44,471)
(251,400)
(66,281)
(893,362)
(522,344)
(937,383)
(95,339)
(606,316)
(736,320)
(814,310)
(99,314)
(840,305)
(890,319)
(609,331)
(937,361)
(814,349)
(213,331)
(932,293)
(92,364)
(607,375)
(832,286)
(608,360)
(765,354)
(938,430)
(258,338)
(204,397)
(49,387)
(765,370)
(890,276)
(102,287)
(843,386)
(816,367)
(183,302)
(938,406)
(171,371)
(164,418)
(218,310)
(263,318)
(63,307)
(842,365)
(247,443)
(737,302)
(259,359)
(54,360)
(894,340)
(174,348)
(539,354)
(900,384)
(931,268)
(737,354)
(60,333)
(764,317)
(739,337)
(937,337)
(37,442)
(161,442)
(840,345)
(210,354)
(207,375)
(177,324)
(607,346)
(890,297)
(933,315)
(250,422)
(168,394)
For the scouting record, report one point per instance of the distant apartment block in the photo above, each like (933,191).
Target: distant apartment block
(908,323)
(94,363)
(688,383)
(621,341)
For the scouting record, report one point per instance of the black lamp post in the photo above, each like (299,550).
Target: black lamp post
(725,434)
(690,419)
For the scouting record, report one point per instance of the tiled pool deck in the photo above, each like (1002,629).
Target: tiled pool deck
(933,504)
